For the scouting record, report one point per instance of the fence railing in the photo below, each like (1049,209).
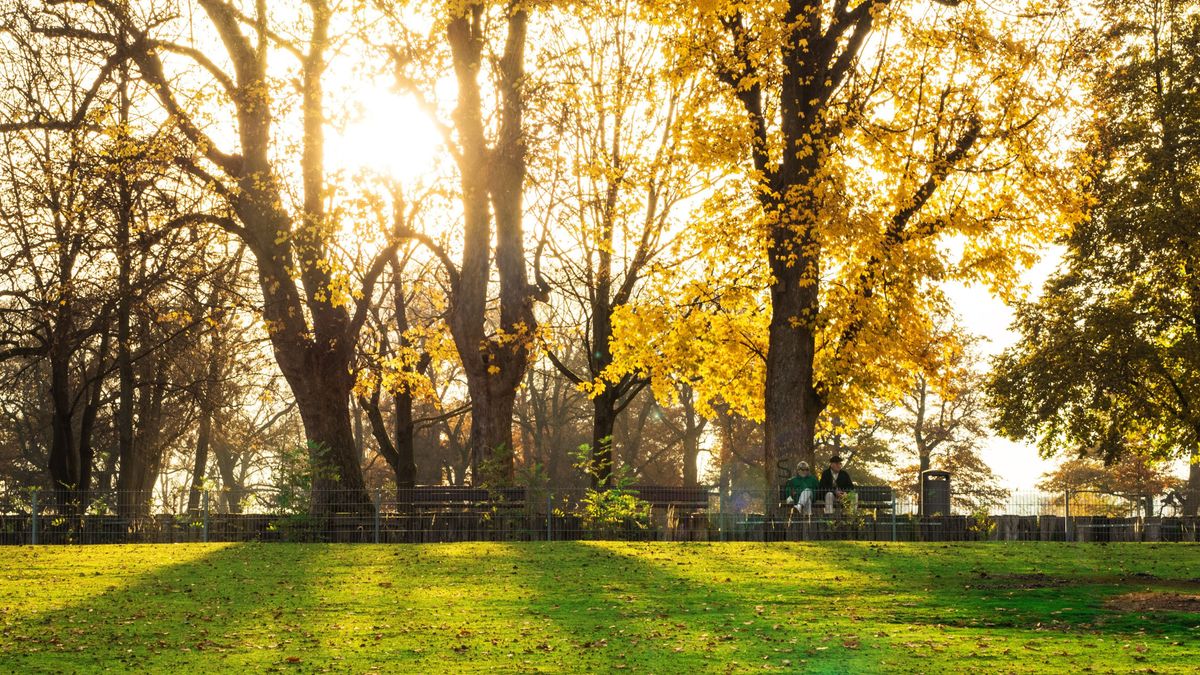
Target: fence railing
(455,513)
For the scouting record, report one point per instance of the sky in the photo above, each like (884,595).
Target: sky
(1017,463)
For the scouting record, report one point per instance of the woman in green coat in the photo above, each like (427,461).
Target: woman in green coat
(800,489)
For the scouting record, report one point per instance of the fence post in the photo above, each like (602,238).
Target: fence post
(893,515)
(549,515)
(33,515)
(204,502)
(1067,514)
(378,508)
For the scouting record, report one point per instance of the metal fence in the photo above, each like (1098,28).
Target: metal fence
(651,513)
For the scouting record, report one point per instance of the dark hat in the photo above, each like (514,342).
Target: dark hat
(836,459)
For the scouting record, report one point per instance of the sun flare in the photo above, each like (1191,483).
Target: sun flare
(388,134)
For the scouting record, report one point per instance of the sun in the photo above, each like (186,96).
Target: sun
(389,134)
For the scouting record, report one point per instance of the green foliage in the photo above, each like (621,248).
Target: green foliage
(493,470)
(980,524)
(295,473)
(608,510)
(1109,361)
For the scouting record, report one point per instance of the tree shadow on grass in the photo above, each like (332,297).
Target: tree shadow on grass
(1024,585)
(996,605)
(829,607)
(669,608)
(232,606)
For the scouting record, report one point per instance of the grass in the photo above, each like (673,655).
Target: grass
(598,606)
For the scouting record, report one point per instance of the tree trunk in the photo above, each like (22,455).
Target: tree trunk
(491,436)
(64,458)
(210,395)
(128,463)
(604,419)
(405,467)
(398,452)
(492,179)
(232,489)
(211,390)
(322,393)
(87,427)
(693,429)
(792,404)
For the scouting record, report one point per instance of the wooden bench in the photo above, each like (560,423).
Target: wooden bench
(461,496)
(668,497)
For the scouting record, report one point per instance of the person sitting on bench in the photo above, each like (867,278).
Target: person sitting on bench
(834,482)
(801,489)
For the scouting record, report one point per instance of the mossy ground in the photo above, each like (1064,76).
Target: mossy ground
(849,607)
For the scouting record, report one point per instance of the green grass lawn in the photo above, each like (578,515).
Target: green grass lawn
(660,607)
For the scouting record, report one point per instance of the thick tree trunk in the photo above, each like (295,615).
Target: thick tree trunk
(322,393)
(405,467)
(491,436)
(792,404)
(492,179)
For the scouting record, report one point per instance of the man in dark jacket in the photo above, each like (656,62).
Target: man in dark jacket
(835,482)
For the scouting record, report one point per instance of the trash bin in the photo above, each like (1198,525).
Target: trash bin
(935,493)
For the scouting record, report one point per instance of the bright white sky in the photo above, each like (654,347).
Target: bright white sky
(985,315)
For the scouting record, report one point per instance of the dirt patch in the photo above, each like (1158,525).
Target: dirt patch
(985,580)
(1020,581)
(1155,602)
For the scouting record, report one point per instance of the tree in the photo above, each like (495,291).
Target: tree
(851,252)
(407,338)
(1111,489)
(494,340)
(101,242)
(1109,357)
(950,425)
(311,310)
(620,172)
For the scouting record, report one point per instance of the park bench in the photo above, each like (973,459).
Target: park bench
(671,497)
(440,497)
(875,498)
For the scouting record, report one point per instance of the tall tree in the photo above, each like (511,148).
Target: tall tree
(620,173)
(1109,360)
(827,89)
(312,313)
(493,339)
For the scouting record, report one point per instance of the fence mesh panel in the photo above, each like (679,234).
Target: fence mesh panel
(641,513)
